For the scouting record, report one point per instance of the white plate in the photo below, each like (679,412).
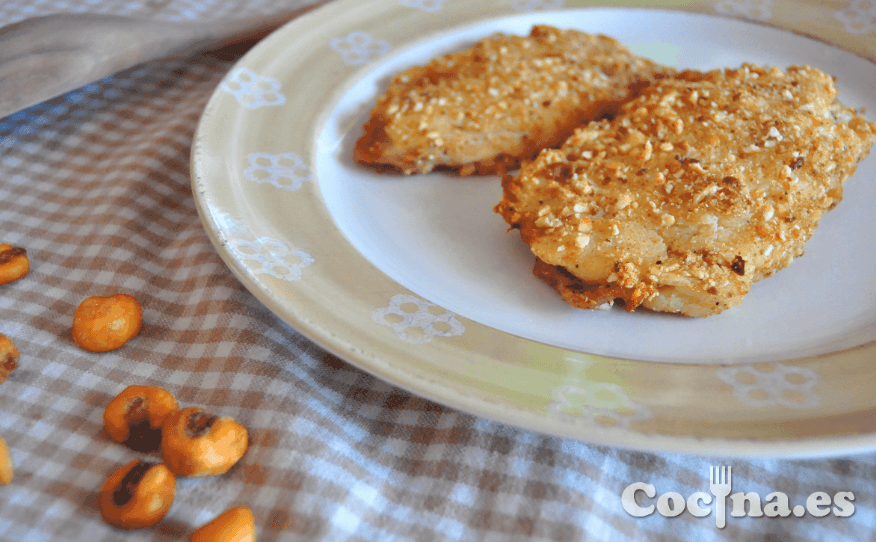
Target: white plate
(438,236)
(329,247)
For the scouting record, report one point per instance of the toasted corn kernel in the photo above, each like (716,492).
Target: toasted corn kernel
(13,263)
(195,443)
(5,464)
(135,416)
(8,357)
(234,525)
(101,324)
(137,495)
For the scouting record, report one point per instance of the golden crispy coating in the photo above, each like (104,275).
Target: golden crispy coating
(701,186)
(502,100)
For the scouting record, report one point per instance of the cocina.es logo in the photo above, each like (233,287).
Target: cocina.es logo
(776,504)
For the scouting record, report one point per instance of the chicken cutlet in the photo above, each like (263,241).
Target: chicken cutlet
(701,186)
(485,109)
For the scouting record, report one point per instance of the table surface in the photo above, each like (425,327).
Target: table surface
(95,185)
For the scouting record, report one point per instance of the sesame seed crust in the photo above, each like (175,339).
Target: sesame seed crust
(701,186)
(485,109)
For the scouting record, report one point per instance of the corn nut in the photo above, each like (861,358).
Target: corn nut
(13,263)
(196,443)
(5,464)
(8,357)
(137,495)
(135,416)
(234,525)
(101,324)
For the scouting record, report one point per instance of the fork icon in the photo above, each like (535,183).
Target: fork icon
(719,485)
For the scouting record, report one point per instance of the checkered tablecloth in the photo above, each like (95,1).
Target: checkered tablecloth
(95,185)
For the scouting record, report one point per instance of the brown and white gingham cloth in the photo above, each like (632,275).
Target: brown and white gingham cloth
(95,185)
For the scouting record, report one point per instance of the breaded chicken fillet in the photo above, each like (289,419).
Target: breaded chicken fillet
(485,109)
(701,186)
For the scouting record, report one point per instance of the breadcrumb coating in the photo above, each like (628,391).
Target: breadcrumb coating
(701,186)
(485,109)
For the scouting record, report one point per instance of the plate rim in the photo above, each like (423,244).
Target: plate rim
(410,381)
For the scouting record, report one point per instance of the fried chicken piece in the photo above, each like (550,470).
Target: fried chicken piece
(485,109)
(701,186)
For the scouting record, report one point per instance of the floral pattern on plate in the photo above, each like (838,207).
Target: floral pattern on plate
(859,17)
(581,399)
(286,171)
(358,47)
(417,321)
(273,257)
(756,10)
(252,90)
(535,5)
(771,384)
(430,6)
